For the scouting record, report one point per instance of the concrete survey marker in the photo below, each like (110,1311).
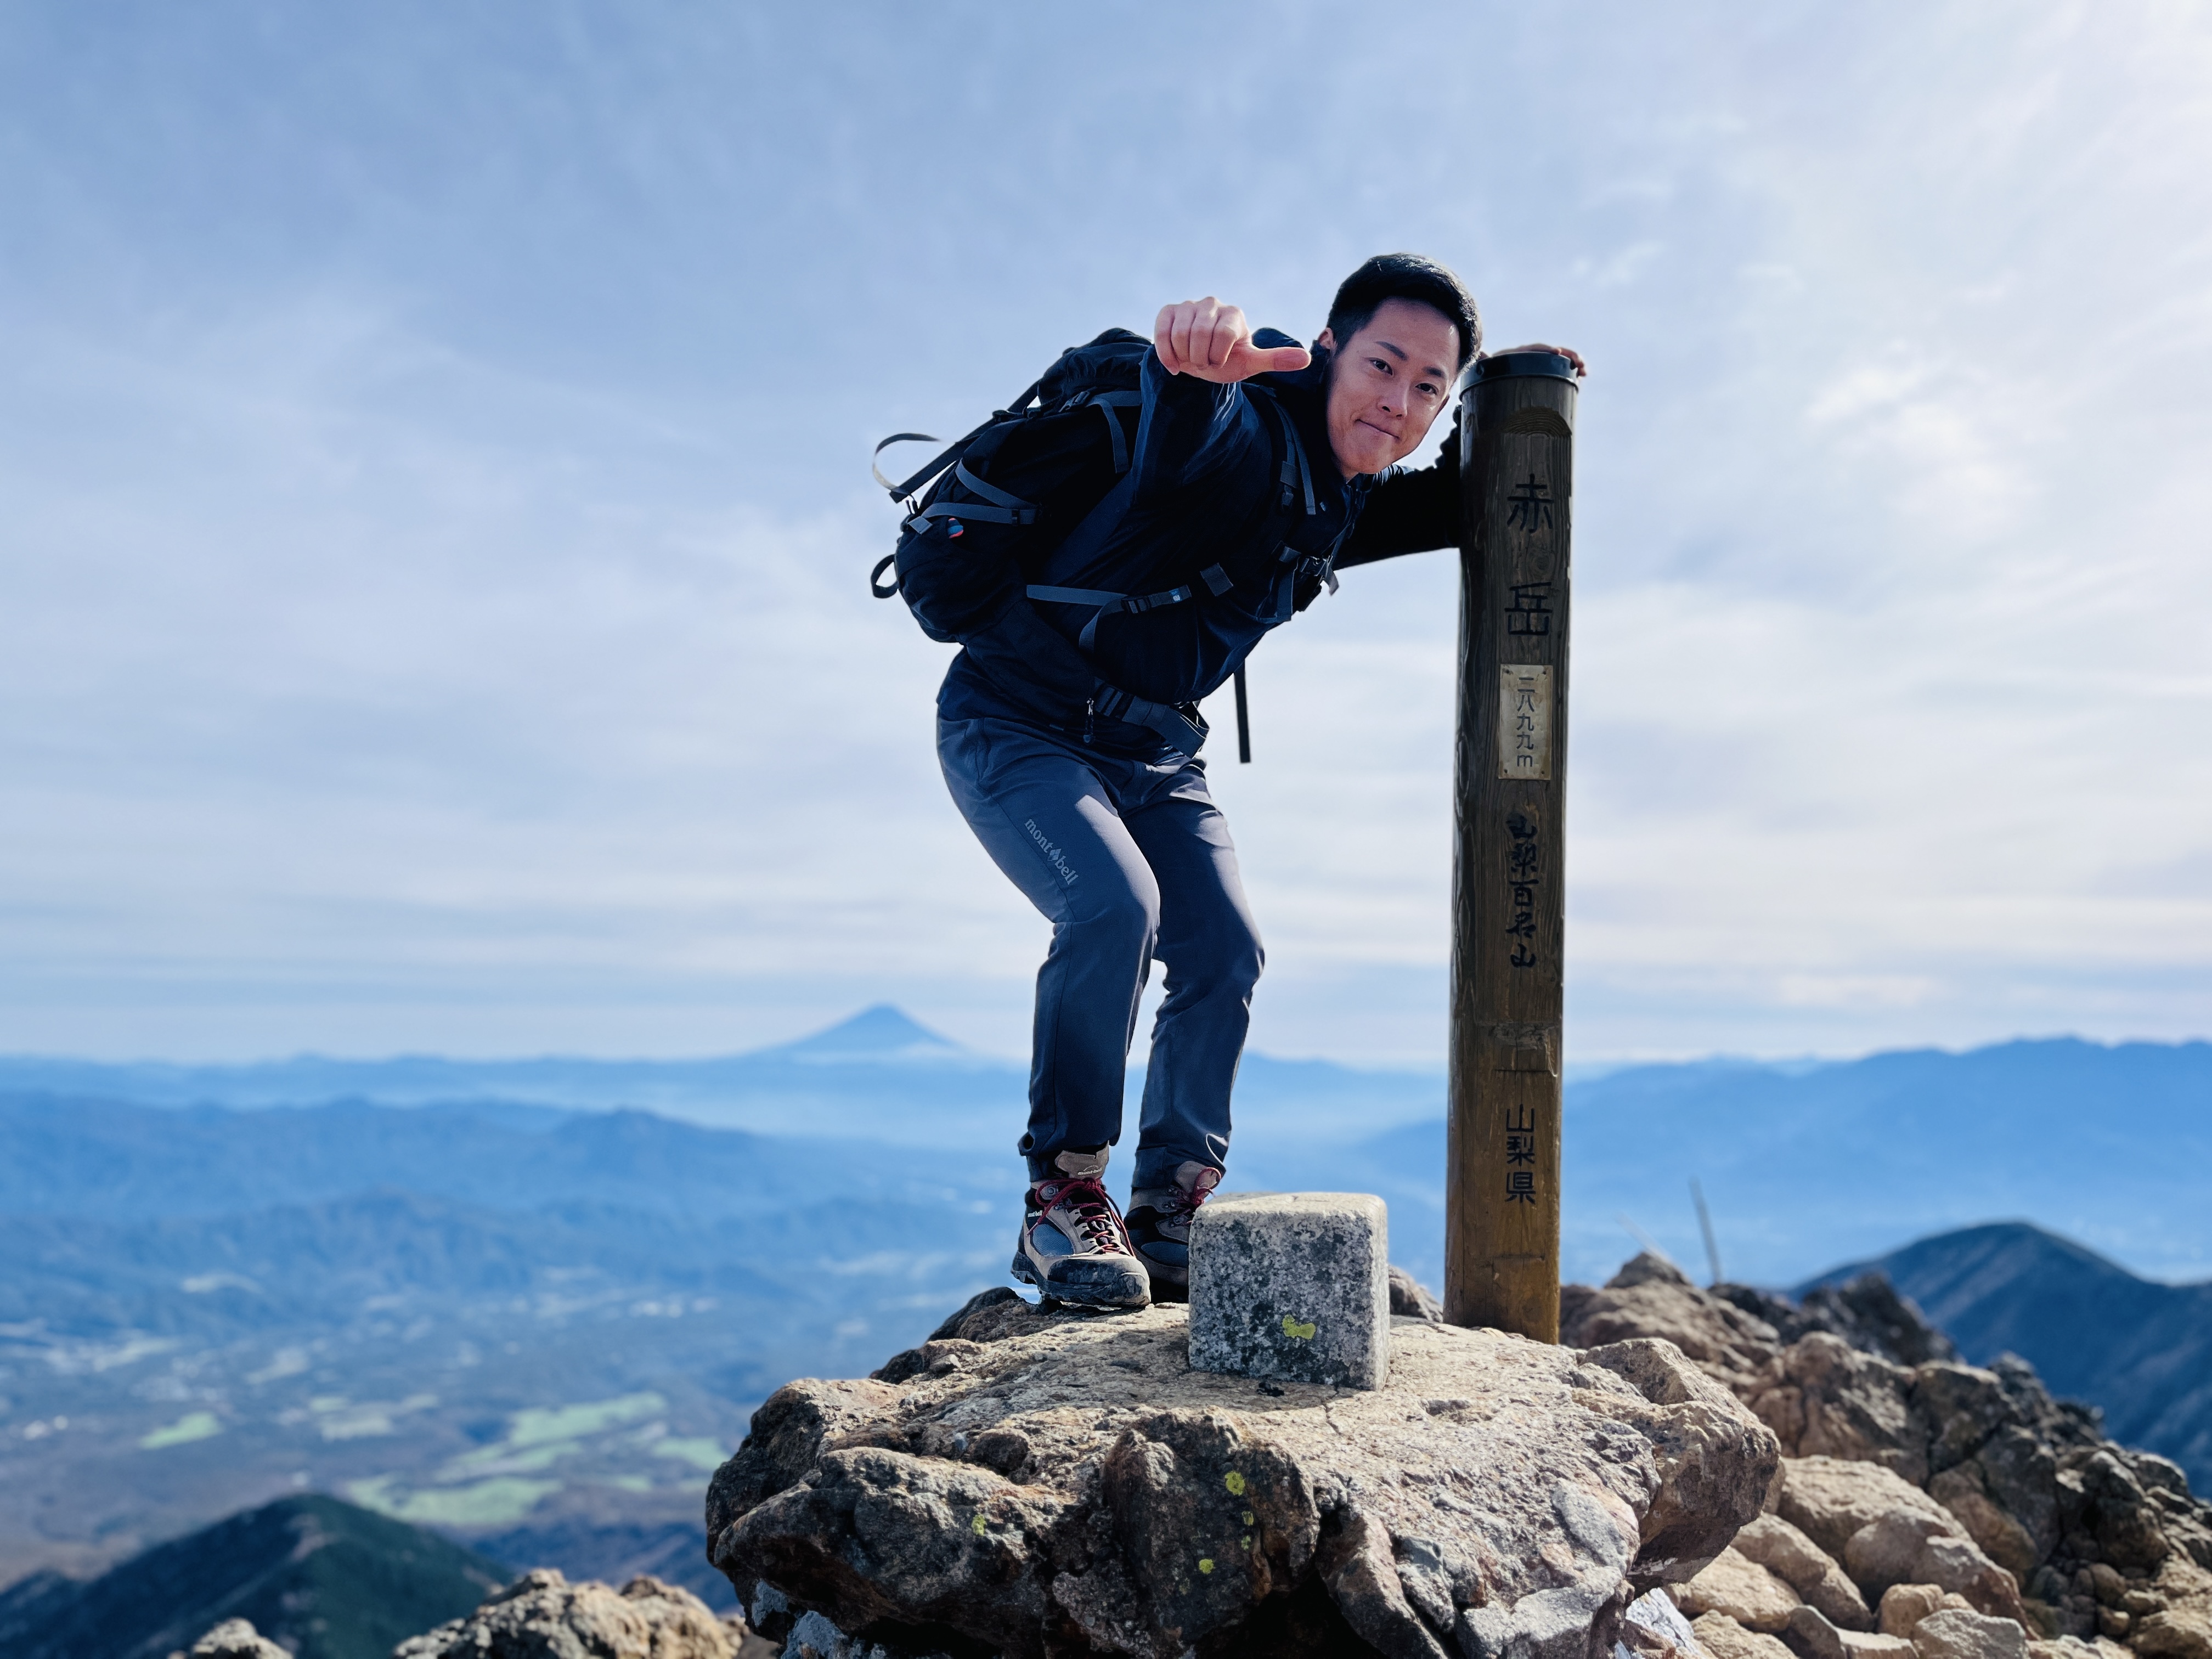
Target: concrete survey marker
(1292,1285)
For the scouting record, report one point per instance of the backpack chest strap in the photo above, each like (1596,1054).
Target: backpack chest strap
(1216,579)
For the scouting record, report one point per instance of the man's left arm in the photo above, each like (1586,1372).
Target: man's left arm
(1409,512)
(1416,511)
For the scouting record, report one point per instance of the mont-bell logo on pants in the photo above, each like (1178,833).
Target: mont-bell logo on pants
(1053,855)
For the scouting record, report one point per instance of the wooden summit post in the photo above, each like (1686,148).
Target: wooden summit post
(1502,1199)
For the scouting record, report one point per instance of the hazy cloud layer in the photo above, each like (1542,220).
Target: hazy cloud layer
(434,449)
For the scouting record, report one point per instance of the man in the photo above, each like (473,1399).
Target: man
(1108,828)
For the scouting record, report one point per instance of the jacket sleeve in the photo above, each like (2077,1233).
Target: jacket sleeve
(1189,430)
(1409,512)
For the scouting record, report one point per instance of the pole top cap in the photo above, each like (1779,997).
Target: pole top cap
(1507,363)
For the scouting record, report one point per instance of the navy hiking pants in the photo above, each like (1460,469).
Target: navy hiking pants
(1128,860)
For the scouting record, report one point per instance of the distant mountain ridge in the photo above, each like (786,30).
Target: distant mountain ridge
(2140,1351)
(325,1579)
(1803,1163)
(877,1036)
(62,1156)
(2108,1144)
(879,1075)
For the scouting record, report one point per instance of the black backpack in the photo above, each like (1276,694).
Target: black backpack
(1036,484)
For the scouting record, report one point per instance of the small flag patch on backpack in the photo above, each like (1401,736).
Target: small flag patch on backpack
(954,527)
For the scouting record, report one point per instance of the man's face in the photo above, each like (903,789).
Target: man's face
(1388,383)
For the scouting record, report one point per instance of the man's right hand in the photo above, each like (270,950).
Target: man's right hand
(1213,342)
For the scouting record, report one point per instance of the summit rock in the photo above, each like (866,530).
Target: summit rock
(1055,1484)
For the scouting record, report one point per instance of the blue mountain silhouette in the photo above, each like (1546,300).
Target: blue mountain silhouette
(2140,1350)
(879,1034)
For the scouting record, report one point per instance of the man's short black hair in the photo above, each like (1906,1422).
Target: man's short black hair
(1405,277)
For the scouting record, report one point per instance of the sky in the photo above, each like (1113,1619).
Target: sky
(433,440)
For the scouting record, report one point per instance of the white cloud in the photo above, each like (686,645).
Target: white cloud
(433,611)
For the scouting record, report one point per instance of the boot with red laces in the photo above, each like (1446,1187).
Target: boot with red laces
(1159,1228)
(1073,1246)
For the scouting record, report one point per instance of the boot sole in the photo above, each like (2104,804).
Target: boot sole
(1077,1295)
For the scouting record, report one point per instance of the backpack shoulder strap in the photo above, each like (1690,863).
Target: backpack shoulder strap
(1295,476)
(997,507)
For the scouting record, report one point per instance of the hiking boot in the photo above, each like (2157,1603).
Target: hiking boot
(1073,1246)
(1159,1227)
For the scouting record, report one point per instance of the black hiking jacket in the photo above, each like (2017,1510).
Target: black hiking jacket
(1206,497)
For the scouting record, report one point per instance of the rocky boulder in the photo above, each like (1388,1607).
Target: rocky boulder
(233,1639)
(1030,1484)
(1904,1605)
(1412,1300)
(1912,1472)
(1867,1312)
(1720,1637)
(1832,1500)
(1961,1633)
(2073,1647)
(2169,1618)
(1811,1636)
(1741,1589)
(1651,1297)
(2176,1633)
(1826,1398)
(1808,1569)
(1902,1548)
(542,1616)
